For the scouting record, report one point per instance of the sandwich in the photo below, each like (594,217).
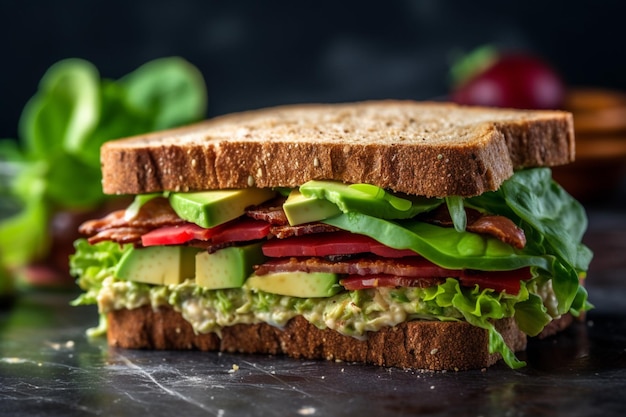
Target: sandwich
(419,235)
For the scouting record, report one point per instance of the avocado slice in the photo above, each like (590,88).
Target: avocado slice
(159,265)
(228,267)
(211,208)
(369,199)
(296,284)
(300,209)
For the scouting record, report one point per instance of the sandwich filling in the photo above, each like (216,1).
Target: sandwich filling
(352,258)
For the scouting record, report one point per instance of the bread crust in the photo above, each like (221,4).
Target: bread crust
(431,345)
(420,148)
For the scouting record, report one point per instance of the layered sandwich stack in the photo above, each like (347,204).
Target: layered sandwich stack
(397,233)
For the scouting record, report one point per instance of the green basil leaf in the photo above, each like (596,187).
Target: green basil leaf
(457,212)
(443,246)
(65,123)
(170,90)
(64,189)
(24,236)
(64,111)
(10,151)
(12,163)
(548,208)
(544,209)
(554,223)
(7,286)
(29,181)
(118,119)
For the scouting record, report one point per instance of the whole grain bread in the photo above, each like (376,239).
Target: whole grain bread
(420,148)
(431,345)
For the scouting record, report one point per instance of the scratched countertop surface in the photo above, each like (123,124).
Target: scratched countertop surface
(48,367)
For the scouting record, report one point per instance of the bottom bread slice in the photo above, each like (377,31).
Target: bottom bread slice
(432,345)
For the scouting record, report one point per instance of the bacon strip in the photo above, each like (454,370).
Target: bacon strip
(120,235)
(115,227)
(365,265)
(271,212)
(500,227)
(282,232)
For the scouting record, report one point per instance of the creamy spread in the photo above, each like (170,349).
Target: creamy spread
(350,313)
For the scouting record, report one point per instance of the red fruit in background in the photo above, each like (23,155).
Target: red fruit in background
(516,80)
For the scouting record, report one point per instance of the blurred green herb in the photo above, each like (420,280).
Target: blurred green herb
(55,165)
(467,65)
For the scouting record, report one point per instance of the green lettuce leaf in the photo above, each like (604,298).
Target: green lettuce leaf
(480,307)
(92,264)
(554,223)
(531,315)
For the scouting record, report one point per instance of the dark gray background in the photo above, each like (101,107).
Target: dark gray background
(259,53)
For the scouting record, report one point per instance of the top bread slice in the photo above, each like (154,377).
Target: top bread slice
(422,148)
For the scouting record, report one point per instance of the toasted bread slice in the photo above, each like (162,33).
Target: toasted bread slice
(431,345)
(419,148)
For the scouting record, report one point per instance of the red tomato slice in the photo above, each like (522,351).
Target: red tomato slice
(175,235)
(241,230)
(332,243)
